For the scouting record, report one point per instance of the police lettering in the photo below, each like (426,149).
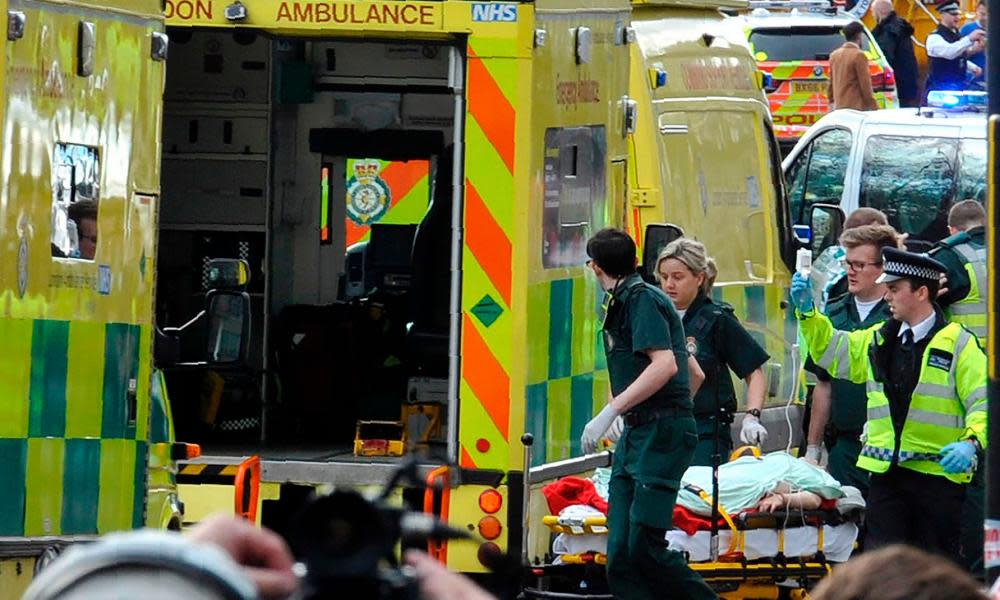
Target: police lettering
(356,14)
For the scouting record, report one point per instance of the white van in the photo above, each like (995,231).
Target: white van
(912,164)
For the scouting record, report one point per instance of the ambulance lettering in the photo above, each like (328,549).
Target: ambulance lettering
(494,12)
(186,10)
(357,14)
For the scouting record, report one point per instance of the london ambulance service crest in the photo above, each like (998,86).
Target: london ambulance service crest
(368,196)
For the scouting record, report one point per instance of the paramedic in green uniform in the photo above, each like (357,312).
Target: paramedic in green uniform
(839,407)
(715,337)
(647,364)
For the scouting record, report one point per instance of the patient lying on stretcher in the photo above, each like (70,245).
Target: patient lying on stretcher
(747,484)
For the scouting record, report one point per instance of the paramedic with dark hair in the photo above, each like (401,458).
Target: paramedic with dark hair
(926,408)
(648,366)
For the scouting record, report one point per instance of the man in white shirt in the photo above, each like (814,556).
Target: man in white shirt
(947,50)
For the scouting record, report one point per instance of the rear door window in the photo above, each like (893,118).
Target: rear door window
(912,180)
(798,43)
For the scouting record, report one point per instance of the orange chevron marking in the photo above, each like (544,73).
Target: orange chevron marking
(487,379)
(487,241)
(491,110)
(467,461)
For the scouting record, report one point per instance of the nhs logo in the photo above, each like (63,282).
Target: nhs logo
(494,12)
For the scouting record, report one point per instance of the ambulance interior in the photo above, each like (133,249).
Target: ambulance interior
(327,166)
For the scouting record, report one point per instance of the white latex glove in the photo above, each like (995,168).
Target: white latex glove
(864,433)
(595,429)
(753,432)
(615,431)
(814,453)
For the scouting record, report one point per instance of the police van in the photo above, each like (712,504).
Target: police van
(792,42)
(912,164)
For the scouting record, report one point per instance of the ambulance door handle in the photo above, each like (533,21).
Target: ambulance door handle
(750,275)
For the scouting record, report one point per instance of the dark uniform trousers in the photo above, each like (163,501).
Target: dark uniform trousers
(907,507)
(649,461)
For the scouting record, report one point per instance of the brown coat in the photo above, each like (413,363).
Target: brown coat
(850,83)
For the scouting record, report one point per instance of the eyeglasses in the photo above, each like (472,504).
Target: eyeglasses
(858,265)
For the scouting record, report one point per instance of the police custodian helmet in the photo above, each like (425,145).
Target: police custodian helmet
(899,264)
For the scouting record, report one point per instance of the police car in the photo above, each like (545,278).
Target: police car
(792,42)
(912,164)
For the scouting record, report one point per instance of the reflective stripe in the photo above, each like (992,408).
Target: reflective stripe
(841,353)
(933,418)
(971,255)
(935,390)
(981,407)
(874,386)
(878,412)
(977,396)
(969,308)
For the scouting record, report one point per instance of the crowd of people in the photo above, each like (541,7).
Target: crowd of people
(956,56)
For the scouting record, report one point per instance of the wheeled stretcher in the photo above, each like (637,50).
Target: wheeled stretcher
(762,555)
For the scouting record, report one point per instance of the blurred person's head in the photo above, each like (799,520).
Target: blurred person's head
(865,216)
(863,261)
(882,9)
(966,215)
(853,32)
(897,573)
(982,13)
(84,214)
(949,13)
(685,270)
(612,256)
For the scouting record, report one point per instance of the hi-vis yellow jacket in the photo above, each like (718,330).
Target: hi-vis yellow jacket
(948,403)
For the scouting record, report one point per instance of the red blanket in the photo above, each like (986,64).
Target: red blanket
(573,490)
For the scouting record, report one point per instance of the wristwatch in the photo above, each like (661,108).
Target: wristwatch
(754,412)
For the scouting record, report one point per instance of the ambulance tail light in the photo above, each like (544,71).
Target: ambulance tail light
(490,528)
(490,501)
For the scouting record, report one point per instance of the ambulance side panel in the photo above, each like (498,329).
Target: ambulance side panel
(77,334)
(705,159)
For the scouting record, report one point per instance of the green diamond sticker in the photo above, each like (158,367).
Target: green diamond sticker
(487,310)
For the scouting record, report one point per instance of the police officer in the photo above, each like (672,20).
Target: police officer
(719,343)
(838,406)
(926,384)
(964,255)
(964,301)
(947,50)
(647,364)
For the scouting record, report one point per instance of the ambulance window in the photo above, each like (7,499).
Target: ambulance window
(824,175)
(912,180)
(574,198)
(76,176)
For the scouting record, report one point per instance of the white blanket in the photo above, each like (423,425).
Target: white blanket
(838,542)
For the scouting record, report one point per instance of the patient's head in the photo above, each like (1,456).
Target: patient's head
(898,573)
(745,451)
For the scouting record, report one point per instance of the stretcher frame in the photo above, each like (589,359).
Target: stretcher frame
(732,577)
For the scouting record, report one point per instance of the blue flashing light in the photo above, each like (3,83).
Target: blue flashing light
(661,78)
(957,100)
